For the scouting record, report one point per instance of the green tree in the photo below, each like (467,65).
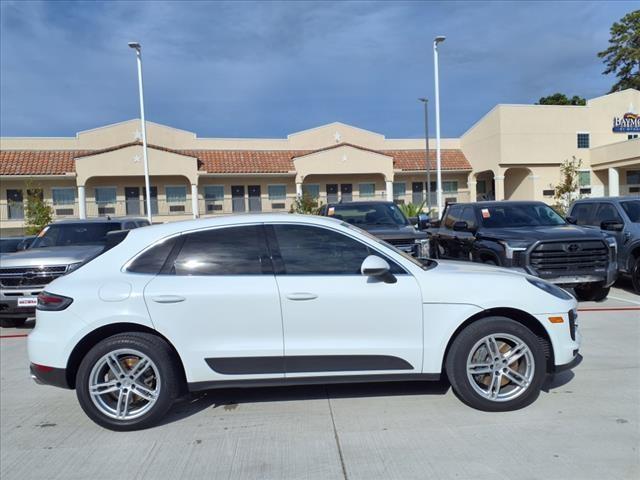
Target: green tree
(561,99)
(567,191)
(305,204)
(623,55)
(37,213)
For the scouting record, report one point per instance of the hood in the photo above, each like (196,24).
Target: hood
(386,232)
(50,256)
(560,232)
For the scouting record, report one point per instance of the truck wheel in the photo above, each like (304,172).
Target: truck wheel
(592,292)
(496,365)
(12,322)
(635,275)
(128,381)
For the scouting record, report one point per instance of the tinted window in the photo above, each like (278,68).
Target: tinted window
(469,216)
(153,259)
(224,251)
(63,235)
(307,250)
(582,213)
(368,214)
(632,209)
(129,225)
(453,216)
(606,213)
(517,215)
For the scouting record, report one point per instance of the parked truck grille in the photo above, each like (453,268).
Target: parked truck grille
(20,277)
(573,258)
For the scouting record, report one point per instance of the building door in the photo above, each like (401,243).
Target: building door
(15,204)
(132,200)
(346,192)
(417,195)
(332,192)
(237,198)
(255,200)
(154,200)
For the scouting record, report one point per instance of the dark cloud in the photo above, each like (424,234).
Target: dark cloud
(268,69)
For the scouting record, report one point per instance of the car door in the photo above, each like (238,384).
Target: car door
(448,246)
(336,320)
(607,212)
(217,300)
(465,240)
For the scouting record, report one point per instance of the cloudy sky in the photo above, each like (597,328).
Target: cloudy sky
(268,69)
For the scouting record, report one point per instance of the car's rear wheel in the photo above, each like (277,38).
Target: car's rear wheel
(635,275)
(496,364)
(128,381)
(592,292)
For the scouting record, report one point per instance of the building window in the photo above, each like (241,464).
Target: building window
(631,136)
(367,189)
(633,177)
(176,194)
(213,197)
(277,192)
(63,196)
(583,140)
(105,195)
(584,181)
(450,186)
(399,189)
(15,204)
(311,190)
(481,186)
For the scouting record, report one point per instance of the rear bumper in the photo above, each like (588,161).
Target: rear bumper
(56,377)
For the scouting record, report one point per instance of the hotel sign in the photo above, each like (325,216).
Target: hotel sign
(629,122)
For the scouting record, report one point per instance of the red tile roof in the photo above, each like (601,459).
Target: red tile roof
(59,162)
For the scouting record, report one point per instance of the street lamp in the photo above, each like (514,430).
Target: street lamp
(426,139)
(436,41)
(138,48)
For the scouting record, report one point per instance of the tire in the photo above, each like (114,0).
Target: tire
(12,322)
(159,381)
(489,261)
(478,390)
(592,292)
(635,275)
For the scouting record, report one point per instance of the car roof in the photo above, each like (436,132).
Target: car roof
(497,203)
(99,220)
(604,199)
(360,202)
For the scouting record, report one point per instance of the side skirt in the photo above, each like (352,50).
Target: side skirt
(334,379)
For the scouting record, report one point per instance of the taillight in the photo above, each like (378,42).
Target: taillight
(52,302)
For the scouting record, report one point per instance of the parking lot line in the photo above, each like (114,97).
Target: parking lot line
(14,336)
(624,300)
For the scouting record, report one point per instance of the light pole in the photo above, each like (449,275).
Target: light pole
(426,139)
(138,48)
(436,41)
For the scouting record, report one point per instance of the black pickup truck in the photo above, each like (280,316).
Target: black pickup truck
(532,237)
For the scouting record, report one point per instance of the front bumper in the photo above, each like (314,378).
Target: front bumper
(577,360)
(9,302)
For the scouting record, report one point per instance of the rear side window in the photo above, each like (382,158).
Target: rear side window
(153,259)
(224,251)
(582,213)
(308,250)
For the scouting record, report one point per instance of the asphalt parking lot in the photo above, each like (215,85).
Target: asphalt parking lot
(586,425)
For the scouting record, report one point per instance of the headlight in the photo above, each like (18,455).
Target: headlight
(511,247)
(74,266)
(423,247)
(613,245)
(550,288)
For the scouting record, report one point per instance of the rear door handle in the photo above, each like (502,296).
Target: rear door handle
(168,299)
(298,296)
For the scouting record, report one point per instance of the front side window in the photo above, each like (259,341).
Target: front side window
(105,194)
(453,216)
(63,196)
(224,251)
(367,189)
(583,140)
(606,213)
(277,192)
(308,250)
(469,216)
(176,194)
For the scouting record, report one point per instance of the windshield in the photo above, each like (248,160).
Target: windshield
(368,214)
(425,264)
(8,245)
(632,209)
(519,215)
(74,234)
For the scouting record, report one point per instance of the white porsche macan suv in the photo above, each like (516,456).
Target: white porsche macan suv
(274,299)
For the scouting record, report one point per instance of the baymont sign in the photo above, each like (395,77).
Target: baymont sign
(629,122)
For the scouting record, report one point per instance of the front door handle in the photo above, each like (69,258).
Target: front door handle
(168,299)
(297,296)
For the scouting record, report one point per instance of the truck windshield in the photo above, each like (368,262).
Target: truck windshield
(368,214)
(632,209)
(519,215)
(74,234)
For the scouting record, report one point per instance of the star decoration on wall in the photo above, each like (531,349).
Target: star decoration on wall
(136,158)
(337,137)
(344,158)
(137,135)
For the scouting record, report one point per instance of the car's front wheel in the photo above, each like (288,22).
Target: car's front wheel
(496,364)
(635,275)
(128,381)
(592,292)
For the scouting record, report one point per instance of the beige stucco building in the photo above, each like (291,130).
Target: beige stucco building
(513,152)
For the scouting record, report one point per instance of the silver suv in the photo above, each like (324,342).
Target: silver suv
(59,248)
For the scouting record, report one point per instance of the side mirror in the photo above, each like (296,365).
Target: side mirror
(424,221)
(374,266)
(612,226)
(571,220)
(461,226)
